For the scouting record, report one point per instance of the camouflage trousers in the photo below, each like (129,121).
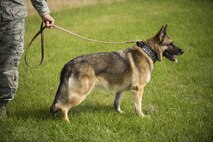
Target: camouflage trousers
(11,50)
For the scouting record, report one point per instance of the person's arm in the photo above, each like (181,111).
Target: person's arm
(43,10)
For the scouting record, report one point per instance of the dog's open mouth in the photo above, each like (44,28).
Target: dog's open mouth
(171,57)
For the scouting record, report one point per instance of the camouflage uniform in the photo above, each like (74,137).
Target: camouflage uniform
(12,14)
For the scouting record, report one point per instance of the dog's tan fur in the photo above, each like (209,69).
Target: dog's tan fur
(119,71)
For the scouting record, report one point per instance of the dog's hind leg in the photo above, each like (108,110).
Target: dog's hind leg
(75,100)
(78,90)
(117,102)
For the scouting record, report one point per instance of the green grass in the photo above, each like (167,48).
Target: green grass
(181,94)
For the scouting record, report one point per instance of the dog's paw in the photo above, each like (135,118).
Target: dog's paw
(120,111)
(140,114)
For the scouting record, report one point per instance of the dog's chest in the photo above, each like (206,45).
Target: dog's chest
(144,77)
(148,77)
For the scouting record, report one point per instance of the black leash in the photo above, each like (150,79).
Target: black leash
(42,27)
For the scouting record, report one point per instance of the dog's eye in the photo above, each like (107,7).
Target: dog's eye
(171,44)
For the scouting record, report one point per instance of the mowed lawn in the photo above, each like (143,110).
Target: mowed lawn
(178,99)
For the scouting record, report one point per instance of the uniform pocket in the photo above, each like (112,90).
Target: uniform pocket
(19,9)
(21,2)
(14,9)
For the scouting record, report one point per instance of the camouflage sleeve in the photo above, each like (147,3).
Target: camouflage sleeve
(41,7)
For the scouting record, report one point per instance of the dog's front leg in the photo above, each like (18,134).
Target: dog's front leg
(117,102)
(64,112)
(137,92)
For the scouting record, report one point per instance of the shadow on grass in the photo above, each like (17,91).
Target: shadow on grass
(91,108)
(45,115)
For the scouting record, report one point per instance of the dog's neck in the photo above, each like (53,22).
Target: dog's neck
(147,50)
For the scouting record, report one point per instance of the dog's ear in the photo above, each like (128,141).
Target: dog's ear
(159,38)
(165,30)
(161,34)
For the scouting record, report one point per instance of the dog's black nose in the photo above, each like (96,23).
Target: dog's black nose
(181,51)
(53,109)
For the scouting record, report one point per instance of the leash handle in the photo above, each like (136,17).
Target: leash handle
(42,27)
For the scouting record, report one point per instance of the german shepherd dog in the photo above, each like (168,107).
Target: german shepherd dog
(118,71)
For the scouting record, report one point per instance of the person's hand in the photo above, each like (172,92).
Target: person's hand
(48,21)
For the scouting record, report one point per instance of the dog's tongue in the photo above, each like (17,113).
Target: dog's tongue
(174,59)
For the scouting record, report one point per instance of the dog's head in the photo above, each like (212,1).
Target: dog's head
(164,46)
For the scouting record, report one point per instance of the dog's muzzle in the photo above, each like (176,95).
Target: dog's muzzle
(53,109)
(171,54)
